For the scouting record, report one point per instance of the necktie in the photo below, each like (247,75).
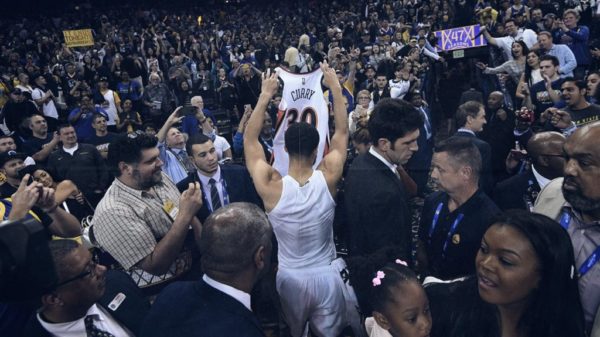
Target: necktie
(92,331)
(214,195)
(185,161)
(427,123)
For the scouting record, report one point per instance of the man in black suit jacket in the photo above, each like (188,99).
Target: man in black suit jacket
(87,298)
(499,133)
(547,163)
(236,251)
(470,118)
(376,202)
(232,183)
(419,164)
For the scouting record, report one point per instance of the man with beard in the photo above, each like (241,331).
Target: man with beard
(577,209)
(143,220)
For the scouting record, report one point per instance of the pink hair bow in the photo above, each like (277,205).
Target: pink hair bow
(398,261)
(377,280)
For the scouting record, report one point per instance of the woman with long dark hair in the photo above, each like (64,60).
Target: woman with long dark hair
(515,67)
(526,284)
(531,76)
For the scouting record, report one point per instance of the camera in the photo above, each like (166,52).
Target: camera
(26,266)
(188,110)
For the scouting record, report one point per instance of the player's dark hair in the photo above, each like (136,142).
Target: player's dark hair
(301,139)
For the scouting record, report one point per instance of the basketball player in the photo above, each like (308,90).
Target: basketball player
(300,206)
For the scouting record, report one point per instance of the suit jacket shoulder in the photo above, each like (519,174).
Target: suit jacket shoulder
(197,309)
(509,193)
(376,207)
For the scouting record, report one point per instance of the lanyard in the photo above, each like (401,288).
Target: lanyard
(266,144)
(178,158)
(565,220)
(452,230)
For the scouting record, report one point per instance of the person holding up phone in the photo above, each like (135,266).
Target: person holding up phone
(171,144)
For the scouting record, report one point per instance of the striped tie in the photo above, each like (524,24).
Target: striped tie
(214,195)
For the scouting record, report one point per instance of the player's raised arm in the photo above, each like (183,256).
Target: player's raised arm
(262,173)
(333,163)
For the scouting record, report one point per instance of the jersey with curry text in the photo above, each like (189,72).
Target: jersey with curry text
(302,100)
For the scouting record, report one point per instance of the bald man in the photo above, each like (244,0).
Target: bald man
(574,202)
(498,132)
(236,252)
(547,163)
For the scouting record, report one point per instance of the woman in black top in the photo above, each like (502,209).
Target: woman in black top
(526,285)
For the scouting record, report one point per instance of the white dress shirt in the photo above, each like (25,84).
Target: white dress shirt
(541,180)
(385,161)
(237,294)
(206,186)
(102,320)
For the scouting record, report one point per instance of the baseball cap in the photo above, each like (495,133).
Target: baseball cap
(10,155)
(549,16)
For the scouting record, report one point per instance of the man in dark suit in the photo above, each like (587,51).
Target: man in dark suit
(499,133)
(470,119)
(419,163)
(87,300)
(547,163)
(376,202)
(221,184)
(236,251)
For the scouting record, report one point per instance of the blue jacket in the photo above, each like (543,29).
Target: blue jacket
(580,36)
(83,126)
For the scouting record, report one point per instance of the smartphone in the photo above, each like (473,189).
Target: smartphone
(188,110)
(517,154)
(194,177)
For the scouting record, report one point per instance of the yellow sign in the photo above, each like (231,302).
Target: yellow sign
(78,38)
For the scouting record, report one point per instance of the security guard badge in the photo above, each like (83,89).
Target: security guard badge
(456,239)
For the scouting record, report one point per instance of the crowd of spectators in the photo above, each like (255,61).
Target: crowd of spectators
(136,142)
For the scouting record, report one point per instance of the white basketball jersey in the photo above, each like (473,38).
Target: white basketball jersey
(302,101)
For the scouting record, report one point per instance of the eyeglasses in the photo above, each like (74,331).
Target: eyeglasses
(90,270)
(364,97)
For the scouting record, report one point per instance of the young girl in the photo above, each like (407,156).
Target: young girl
(399,303)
